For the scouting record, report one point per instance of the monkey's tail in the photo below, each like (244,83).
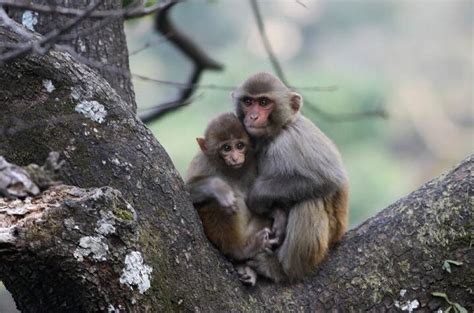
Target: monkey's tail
(306,241)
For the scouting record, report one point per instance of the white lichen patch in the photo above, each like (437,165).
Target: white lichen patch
(29,19)
(104,228)
(94,246)
(92,109)
(81,45)
(6,234)
(408,305)
(136,273)
(403,292)
(48,85)
(105,225)
(98,193)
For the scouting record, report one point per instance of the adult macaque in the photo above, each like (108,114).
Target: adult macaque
(218,180)
(299,169)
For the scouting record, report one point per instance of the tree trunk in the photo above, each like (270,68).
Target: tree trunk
(101,43)
(65,257)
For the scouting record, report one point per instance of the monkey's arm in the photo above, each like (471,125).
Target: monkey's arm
(211,188)
(283,191)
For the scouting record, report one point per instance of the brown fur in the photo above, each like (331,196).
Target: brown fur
(235,235)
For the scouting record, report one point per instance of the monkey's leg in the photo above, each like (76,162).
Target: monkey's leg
(267,265)
(338,220)
(307,237)
(256,243)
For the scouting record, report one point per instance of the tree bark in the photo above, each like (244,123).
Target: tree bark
(50,265)
(101,42)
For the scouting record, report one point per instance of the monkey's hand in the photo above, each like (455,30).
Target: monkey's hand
(225,196)
(266,243)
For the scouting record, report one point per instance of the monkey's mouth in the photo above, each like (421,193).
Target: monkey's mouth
(236,165)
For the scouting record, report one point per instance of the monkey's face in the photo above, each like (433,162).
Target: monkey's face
(256,112)
(233,152)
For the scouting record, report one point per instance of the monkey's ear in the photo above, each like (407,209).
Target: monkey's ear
(296,101)
(202,144)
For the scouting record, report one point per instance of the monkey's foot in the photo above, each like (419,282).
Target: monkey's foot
(247,275)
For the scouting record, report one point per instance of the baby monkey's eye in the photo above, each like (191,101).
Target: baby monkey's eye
(240,145)
(226,148)
(247,101)
(264,102)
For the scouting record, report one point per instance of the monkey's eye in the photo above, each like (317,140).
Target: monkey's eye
(247,101)
(240,145)
(264,102)
(226,147)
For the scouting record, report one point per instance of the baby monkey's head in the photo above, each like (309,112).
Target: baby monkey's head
(225,142)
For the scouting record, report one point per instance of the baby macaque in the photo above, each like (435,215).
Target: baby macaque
(218,180)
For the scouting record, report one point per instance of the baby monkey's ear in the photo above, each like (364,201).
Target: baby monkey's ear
(202,143)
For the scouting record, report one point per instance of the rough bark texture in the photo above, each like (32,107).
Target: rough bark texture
(55,262)
(391,260)
(105,45)
(104,144)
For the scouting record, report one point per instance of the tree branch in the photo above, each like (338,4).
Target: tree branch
(201,62)
(41,46)
(131,11)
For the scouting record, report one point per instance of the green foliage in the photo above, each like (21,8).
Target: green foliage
(452,305)
(447,265)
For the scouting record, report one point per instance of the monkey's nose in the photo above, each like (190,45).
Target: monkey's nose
(253,117)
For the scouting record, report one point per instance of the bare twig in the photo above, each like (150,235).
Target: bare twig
(148,45)
(301,3)
(43,45)
(334,117)
(131,11)
(201,62)
(180,85)
(266,42)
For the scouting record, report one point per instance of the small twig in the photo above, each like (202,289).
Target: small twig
(266,42)
(131,11)
(183,85)
(148,45)
(301,3)
(162,109)
(220,87)
(334,117)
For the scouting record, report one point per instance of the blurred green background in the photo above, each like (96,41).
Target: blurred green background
(414,57)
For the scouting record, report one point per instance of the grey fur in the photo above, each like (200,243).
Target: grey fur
(311,172)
